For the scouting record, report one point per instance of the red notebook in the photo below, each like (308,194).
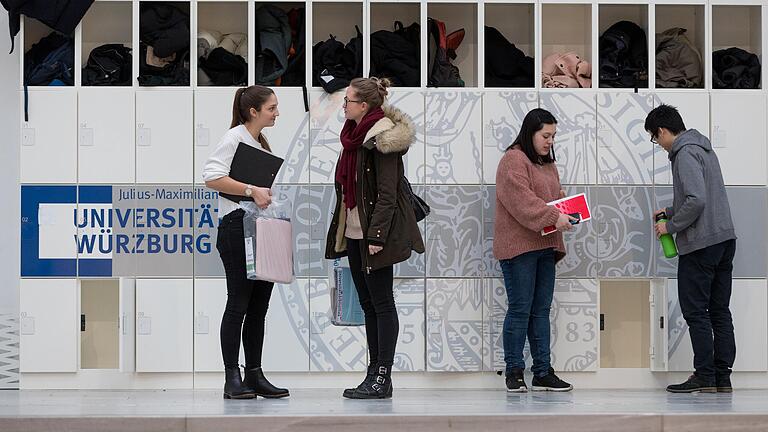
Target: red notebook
(572,204)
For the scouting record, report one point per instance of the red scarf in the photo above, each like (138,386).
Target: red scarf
(352,136)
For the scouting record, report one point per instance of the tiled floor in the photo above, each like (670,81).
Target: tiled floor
(428,410)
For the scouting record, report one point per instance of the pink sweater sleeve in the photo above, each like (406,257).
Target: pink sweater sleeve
(513,190)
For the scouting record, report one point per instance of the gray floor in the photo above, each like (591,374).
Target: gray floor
(476,410)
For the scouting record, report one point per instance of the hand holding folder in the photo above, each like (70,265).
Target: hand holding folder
(253,166)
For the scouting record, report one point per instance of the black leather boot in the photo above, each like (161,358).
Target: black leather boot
(255,379)
(379,388)
(234,387)
(369,376)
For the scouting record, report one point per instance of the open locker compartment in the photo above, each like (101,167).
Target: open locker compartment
(737,26)
(691,18)
(611,14)
(517,24)
(388,17)
(222,25)
(168,64)
(457,16)
(295,73)
(32,31)
(341,21)
(106,324)
(108,23)
(631,324)
(567,28)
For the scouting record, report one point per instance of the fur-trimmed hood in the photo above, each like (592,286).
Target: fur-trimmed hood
(393,133)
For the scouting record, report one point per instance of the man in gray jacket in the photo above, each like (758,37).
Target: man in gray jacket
(700,218)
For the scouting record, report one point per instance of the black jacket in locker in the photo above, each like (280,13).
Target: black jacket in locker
(165,28)
(735,68)
(505,64)
(395,56)
(274,42)
(624,56)
(60,15)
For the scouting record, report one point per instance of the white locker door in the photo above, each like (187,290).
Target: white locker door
(127,325)
(107,149)
(213,116)
(49,138)
(694,108)
(164,136)
(289,137)
(164,325)
(210,300)
(739,136)
(624,149)
(749,307)
(49,325)
(286,338)
(454,321)
(658,331)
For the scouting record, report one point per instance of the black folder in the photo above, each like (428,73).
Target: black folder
(253,166)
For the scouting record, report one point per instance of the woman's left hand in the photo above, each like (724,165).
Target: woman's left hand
(373,250)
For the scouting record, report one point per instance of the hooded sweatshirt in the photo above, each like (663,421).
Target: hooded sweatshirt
(700,215)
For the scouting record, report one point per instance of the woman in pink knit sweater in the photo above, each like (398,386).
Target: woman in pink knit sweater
(526,180)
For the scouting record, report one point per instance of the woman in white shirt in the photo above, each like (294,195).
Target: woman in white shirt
(254,109)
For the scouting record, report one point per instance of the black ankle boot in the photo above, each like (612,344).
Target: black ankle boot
(379,388)
(255,379)
(234,387)
(369,376)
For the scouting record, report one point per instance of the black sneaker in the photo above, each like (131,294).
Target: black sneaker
(723,384)
(515,381)
(550,382)
(694,384)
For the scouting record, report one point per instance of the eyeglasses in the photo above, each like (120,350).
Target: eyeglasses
(654,140)
(346,101)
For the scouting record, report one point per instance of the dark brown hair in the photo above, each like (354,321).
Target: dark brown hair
(372,91)
(246,98)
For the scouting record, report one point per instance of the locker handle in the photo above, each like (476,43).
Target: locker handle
(602,322)
(82,322)
(661,322)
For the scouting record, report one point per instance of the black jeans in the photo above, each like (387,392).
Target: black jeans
(246,299)
(704,288)
(377,300)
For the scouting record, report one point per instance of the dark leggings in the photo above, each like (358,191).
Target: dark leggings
(246,299)
(375,290)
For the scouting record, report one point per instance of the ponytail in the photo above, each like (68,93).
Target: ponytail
(237,119)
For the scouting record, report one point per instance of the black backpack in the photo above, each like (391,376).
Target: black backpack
(50,59)
(334,65)
(624,56)
(442,49)
(505,64)
(108,65)
(394,55)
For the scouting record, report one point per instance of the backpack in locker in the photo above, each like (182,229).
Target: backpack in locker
(624,56)
(108,65)
(442,49)
(395,55)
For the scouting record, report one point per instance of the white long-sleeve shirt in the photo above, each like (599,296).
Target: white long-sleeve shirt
(220,161)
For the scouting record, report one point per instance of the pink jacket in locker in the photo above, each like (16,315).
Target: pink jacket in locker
(274,250)
(566,70)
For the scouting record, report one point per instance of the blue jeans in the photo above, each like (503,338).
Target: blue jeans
(530,283)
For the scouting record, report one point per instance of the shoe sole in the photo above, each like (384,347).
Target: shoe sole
(520,390)
(244,396)
(698,390)
(552,389)
(279,396)
(725,389)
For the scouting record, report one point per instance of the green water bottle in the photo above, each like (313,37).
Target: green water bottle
(667,241)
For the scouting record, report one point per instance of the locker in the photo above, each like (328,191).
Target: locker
(164,329)
(49,139)
(289,137)
(213,116)
(209,302)
(326,119)
(694,108)
(581,244)
(332,348)
(412,104)
(749,304)
(453,122)
(100,324)
(624,150)
(127,325)
(454,320)
(739,135)
(106,135)
(409,298)
(503,114)
(286,340)
(49,323)
(576,141)
(454,245)
(460,16)
(164,136)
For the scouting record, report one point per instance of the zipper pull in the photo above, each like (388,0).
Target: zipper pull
(368,270)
